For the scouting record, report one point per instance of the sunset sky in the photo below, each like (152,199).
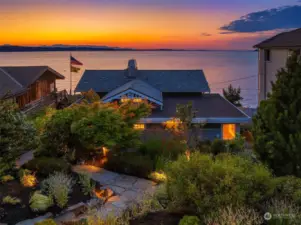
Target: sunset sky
(179,24)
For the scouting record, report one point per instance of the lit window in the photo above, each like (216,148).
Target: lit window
(137,100)
(139,126)
(133,99)
(124,100)
(229,131)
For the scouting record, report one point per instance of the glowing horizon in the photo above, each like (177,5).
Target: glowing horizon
(132,25)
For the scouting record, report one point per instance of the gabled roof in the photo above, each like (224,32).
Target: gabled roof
(138,86)
(26,75)
(8,85)
(163,80)
(212,108)
(16,79)
(282,40)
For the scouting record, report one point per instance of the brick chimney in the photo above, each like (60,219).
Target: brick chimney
(132,68)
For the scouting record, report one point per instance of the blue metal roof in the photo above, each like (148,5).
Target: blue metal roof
(163,80)
(139,86)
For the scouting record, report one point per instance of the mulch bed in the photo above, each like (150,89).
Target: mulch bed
(20,212)
(158,218)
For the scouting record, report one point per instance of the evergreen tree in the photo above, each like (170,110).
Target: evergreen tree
(17,135)
(233,95)
(277,124)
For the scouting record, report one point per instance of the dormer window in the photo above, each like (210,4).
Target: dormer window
(137,100)
(137,90)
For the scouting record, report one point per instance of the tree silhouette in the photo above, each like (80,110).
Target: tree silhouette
(233,95)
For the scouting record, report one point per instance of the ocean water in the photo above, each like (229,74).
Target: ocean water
(221,68)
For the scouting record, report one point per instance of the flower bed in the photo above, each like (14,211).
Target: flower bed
(12,214)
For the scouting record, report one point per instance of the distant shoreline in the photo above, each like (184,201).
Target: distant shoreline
(9,48)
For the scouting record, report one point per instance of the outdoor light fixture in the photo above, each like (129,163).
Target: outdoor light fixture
(29,180)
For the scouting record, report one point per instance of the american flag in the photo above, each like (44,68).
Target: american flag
(74,61)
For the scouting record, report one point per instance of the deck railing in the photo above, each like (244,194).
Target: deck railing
(49,100)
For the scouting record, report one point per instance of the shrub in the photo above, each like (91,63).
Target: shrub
(130,163)
(231,216)
(93,126)
(3,213)
(204,146)
(169,148)
(80,222)
(87,184)
(134,210)
(236,145)
(6,178)
(58,185)
(10,200)
(204,184)
(46,222)
(218,146)
(158,177)
(288,212)
(43,166)
(16,135)
(288,187)
(39,202)
(160,163)
(23,172)
(190,220)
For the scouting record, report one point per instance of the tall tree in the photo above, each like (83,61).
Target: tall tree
(233,95)
(277,124)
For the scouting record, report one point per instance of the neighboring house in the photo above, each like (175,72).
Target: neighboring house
(165,89)
(27,85)
(272,55)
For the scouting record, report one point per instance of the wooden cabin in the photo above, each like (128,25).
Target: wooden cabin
(28,85)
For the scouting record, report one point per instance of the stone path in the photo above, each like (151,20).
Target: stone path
(127,189)
(24,158)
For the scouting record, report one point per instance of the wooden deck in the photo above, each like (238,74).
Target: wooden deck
(50,100)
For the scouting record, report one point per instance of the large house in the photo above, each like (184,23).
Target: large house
(165,89)
(27,85)
(272,55)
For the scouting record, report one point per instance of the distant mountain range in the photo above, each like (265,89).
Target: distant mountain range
(60,47)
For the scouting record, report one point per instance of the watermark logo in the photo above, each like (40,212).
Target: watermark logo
(267,216)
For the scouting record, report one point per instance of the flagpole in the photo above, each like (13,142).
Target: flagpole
(70,74)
